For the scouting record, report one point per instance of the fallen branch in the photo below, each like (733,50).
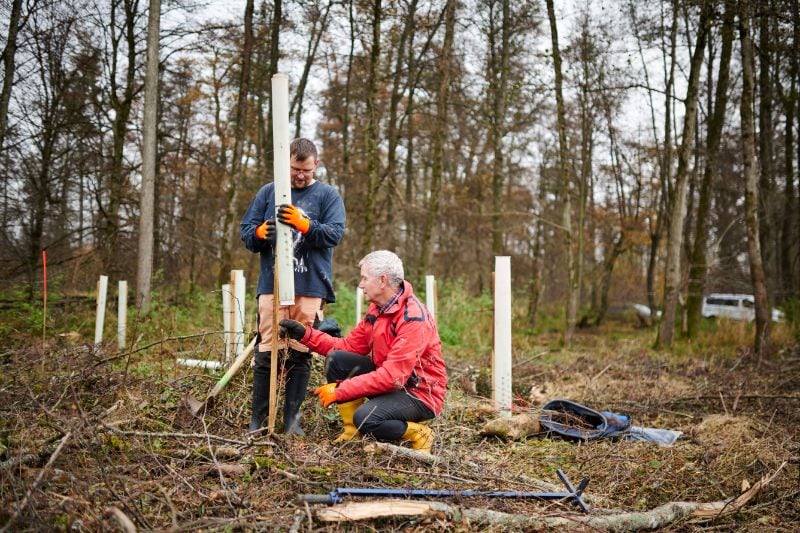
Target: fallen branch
(166,434)
(661,516)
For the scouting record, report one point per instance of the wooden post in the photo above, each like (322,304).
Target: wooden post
(501,360)
(232,314)
(226,320)
(122,313)
(430,295)
(102,289)
(44,295)
(273,367)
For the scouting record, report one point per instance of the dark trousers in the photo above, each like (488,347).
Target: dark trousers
(384,416)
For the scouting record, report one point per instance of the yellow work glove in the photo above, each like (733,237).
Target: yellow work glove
(326,393)
(266,231)
(292,216)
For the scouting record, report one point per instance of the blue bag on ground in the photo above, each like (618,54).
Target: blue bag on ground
(575,421)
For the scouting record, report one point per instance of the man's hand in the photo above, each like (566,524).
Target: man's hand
(326,393)
(292,216)
(266,231)
(292,329)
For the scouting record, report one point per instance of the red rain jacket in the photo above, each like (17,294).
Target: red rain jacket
(404,345)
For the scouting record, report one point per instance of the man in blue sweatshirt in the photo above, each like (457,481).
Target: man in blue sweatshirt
(317,218)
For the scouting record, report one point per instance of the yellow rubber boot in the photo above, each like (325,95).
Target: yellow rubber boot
(346,411)
(421,437)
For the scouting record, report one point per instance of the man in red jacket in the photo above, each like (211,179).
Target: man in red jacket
(388,374)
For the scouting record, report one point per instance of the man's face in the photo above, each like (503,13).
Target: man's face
(302,172)
(373,286)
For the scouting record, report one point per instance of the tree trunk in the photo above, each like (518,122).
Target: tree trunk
(439,135)
(767,215)
(9,66)
(121,104)
(762,338)
(498,69)
(790,235)
(149,150)
(672,282)
(371,130)
(698,268)
(230,232)
(564,184)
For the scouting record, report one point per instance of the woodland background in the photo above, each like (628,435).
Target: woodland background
(611,168)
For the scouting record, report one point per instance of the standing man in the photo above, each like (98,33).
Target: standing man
(317,218)
(388,374)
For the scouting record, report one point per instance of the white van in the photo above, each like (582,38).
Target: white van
(734,306)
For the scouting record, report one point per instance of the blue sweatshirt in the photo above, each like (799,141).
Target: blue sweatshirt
(313,252)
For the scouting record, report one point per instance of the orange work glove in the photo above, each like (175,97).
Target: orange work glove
(326,393)
(292,216)
(266,231)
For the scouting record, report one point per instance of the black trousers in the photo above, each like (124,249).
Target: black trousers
(384,416)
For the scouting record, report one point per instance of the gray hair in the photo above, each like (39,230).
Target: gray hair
(384,262)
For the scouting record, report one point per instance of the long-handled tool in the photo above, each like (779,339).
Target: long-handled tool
(337,495)
(198,407)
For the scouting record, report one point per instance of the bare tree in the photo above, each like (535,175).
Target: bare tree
(573,289)
(149,150)
(440,135)
(672,281)
(762,338)
(230,229)
(699,267)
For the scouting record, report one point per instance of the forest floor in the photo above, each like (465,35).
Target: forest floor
(93,440)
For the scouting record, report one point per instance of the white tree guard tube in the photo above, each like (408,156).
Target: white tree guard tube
(283,186)
(122,313)
(430,295)
(501,362)
(359,304)
(226,320)
(238,312)
(102,290)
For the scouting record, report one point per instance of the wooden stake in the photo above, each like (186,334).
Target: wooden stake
(226,320)
(44,295)
(430,295)
(273,367)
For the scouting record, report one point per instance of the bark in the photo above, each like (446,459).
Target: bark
(439,135)
(371,130)
(121,103)
(149,170)
(762,309)
(672,282)
(9,66)
(498,68)
(347,88)
(564,184)
(789,235)
(665,166)
(230,228)
(699,268)
(766,137)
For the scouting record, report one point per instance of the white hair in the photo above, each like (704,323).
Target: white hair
(384,262)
